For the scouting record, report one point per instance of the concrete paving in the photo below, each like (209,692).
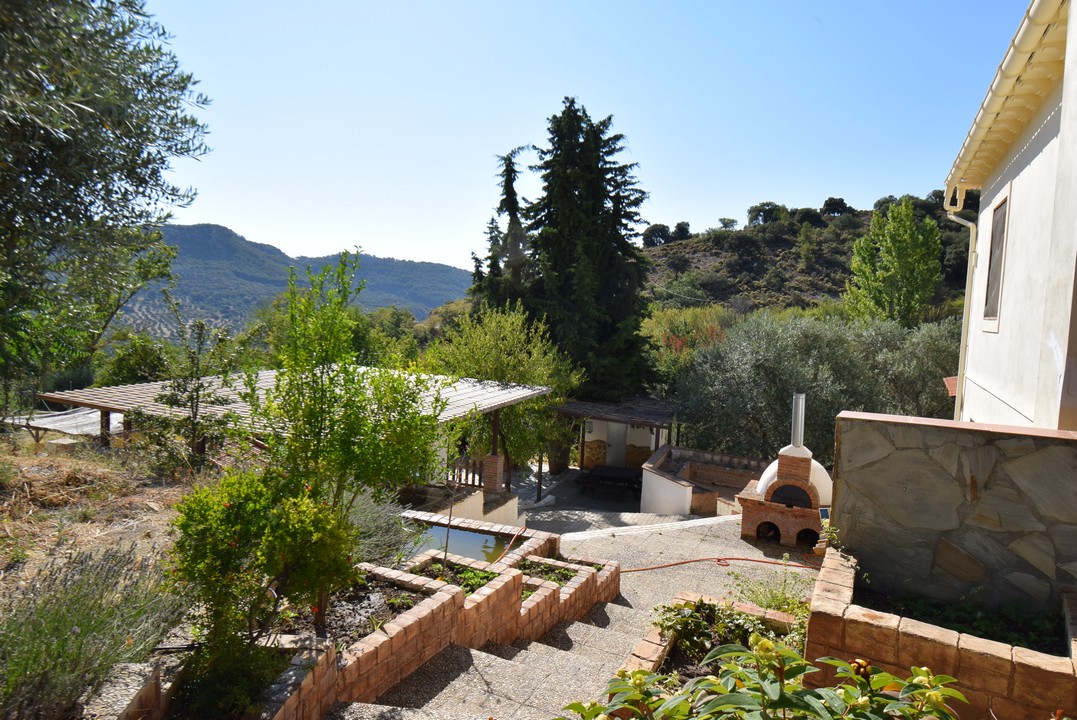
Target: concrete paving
(574,661)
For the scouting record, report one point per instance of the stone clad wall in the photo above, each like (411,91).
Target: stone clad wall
(952,509)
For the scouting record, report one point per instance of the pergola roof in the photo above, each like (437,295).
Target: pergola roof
(641,412)
(461,397)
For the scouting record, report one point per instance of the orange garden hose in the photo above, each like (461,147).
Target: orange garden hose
(724,562)
(509,546)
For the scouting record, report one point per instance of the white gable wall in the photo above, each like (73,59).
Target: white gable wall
(1001,377)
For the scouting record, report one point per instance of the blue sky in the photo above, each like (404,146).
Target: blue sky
(337,124)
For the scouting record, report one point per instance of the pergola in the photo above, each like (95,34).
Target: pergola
(638,412)
(461,397)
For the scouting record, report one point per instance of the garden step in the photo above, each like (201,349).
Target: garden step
(371,711)
(600,643)
(462,683)
(622,618)
(537,654)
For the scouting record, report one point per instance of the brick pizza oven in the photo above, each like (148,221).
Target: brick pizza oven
(783,504)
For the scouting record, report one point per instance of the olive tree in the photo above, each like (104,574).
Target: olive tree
(93,108)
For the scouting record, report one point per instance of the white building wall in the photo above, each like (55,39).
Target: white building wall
(664,496)
(640,436)
(1002,378)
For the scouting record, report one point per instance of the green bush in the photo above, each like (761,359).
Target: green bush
(74,621)
(784,590)
(766,683)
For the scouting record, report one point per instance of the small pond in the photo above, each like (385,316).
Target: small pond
(474,545)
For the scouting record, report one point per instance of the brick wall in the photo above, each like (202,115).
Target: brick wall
(307,689)
(492,612)
(1011,682)
(149,703)
(789,520)
(541,611)
(380,660)
(730,477)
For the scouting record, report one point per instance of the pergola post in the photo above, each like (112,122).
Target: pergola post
(104,439)
(583,441)
(538,488)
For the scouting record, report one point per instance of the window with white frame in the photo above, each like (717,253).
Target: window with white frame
(995,261)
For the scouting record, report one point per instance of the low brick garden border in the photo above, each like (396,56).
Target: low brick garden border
(608,579)
(491,613)
(541,611)
(654,648)
(1012,682)
(375,663)
(318,675)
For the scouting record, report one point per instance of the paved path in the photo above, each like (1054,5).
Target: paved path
(534,681)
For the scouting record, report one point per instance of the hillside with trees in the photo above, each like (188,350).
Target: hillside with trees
(785,257)
(224,278)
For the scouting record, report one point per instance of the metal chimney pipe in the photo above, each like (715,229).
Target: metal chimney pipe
(798,420)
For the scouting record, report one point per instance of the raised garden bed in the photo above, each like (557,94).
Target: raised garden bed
(1042,632)
(1010,682)
(692,625)
(540,608)
(491,612)
(577,587)
(355,611)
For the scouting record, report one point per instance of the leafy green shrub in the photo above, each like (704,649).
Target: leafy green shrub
(766,683)
(73,622)
(228,684)
(701,626)
(244,546)
(784,590)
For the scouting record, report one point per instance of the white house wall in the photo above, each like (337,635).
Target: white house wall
(1061,371)
(1003,383)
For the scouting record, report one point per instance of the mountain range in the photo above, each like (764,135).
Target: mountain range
(223,277)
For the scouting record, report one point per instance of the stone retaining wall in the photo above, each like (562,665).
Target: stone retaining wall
(956,508)
(1011,682)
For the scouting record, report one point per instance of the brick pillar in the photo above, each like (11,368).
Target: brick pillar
(493,471)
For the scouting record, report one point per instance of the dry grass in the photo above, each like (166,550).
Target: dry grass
(87,499)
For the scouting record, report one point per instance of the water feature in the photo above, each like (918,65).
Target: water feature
(474,545)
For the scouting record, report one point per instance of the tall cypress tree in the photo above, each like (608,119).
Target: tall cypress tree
(507,274)
(590,275)
(573,264)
